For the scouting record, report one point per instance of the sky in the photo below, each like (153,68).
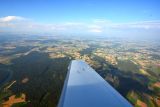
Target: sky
(107,17)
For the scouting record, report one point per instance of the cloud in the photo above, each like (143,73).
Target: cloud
(138,25)
(97,26)
(95,30)
(101,21)
(11,18)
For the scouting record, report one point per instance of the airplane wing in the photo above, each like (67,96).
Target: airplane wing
(84,87)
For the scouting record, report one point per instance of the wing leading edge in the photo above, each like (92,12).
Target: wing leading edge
(84,87)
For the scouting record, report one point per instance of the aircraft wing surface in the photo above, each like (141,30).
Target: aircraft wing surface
(84,87)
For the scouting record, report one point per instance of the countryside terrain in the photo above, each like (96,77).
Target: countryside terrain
(33,67)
